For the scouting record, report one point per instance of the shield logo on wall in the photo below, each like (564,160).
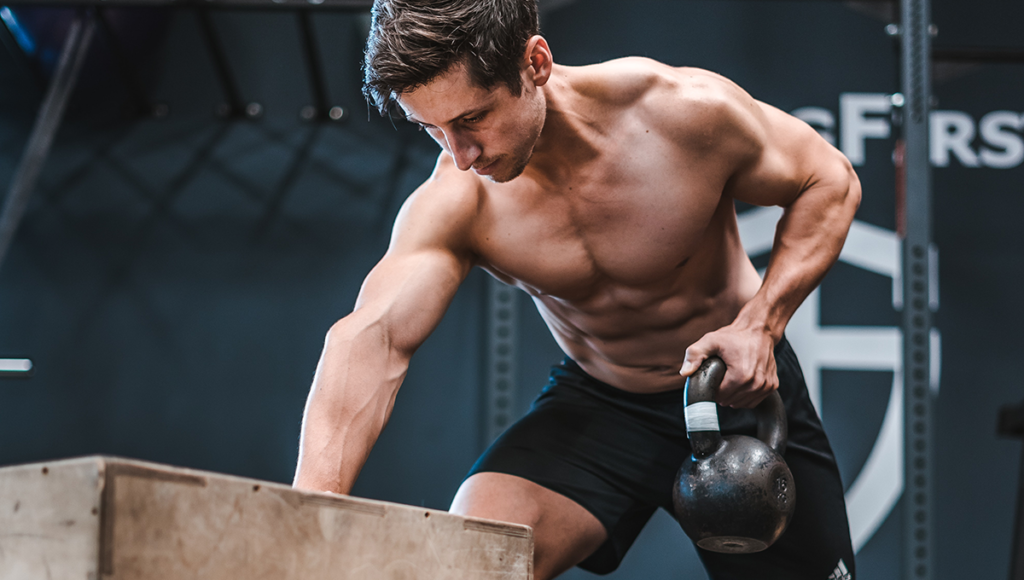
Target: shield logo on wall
(879,483)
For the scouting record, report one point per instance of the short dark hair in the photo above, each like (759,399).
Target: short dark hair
(412,42)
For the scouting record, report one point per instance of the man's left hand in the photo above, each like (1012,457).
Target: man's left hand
(749,357)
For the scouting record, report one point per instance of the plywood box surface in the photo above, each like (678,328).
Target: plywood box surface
(100,518)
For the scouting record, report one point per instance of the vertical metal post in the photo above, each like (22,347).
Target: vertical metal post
(917,409)
(235,106)
(124,66)
(314,65)
(500,388)
(47,122)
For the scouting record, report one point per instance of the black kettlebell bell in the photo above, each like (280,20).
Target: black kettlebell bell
(734,494)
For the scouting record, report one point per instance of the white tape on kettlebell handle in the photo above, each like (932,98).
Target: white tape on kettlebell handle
(702,417)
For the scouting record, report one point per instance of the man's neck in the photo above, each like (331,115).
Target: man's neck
(567,139)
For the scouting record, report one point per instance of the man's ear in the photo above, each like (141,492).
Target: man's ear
(538,60)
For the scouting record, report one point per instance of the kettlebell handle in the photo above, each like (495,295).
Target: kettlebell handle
(701,412)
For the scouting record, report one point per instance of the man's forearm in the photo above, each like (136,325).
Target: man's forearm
(808,240)
(349,403)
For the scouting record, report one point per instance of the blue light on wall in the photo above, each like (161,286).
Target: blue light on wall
(18,31)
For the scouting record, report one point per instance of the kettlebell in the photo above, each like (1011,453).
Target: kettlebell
(734,494)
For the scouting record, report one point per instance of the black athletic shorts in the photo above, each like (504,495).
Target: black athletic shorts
(616,454)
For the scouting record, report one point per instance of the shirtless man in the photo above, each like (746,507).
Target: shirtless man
(606,192)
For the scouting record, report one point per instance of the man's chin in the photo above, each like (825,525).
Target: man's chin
(499,175)
(496,176)
(502,178)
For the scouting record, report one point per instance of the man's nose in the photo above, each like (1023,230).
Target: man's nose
(464,151)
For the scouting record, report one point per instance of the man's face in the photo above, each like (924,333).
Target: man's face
(490,131)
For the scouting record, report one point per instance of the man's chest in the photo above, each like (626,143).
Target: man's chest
(632,222)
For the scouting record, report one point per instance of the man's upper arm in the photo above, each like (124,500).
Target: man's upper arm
(788,158)
(766,156)
(410,288)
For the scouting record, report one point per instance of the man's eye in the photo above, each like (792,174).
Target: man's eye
(472,119)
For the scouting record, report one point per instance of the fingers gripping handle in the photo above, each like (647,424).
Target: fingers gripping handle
(702,385)
(701,412)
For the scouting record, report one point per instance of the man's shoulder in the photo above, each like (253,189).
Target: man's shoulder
(446,204)
(451,183)
(695,106)
(641,80)
(704,114)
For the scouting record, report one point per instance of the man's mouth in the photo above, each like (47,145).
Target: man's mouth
(486,169)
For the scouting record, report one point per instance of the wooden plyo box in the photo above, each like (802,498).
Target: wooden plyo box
(100,518)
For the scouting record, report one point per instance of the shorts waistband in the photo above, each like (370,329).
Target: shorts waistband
(570,372)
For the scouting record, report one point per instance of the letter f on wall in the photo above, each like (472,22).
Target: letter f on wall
(857,126)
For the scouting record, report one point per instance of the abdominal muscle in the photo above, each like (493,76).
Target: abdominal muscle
(636,338)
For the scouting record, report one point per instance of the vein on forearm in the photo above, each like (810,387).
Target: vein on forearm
(808,240)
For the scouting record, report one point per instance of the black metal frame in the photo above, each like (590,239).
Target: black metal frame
(77,43)
(124,65)
(915,60)
(976,54)
(314,66)
(235,106)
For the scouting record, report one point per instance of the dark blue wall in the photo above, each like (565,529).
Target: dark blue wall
(174,278)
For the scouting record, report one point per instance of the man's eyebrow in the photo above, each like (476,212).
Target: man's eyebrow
(475,111)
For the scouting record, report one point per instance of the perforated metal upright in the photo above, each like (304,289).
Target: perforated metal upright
(499,391)
(915,67)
